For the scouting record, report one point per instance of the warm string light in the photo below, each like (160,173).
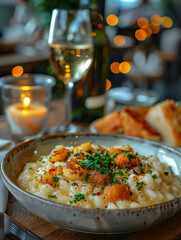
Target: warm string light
(140,34)
(112,20)
(155,29)
(147,29)
(17,71)
(142,22)
(123,67)
(119,40)
(108,84)
(115,67)
(167,22)
(156,20)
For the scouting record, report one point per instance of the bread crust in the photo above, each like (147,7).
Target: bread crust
(166,118)
(134,124)
(110,123)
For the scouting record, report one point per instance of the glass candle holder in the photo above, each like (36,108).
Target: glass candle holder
(26,101)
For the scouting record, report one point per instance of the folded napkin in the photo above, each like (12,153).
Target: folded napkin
(5,146)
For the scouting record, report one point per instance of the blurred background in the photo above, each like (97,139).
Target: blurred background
(144,42)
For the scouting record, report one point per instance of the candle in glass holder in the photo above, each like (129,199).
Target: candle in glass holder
(26,118)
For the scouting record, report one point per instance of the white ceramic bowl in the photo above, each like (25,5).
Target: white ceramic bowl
(89,220)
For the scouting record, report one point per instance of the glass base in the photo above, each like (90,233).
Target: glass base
(71,128)
(28,137)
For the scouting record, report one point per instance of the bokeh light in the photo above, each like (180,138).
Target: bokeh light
(25,75)
(167,22)
(80,92)
(155,29)
(108,84)
(156,20)
(112,20)
(17,71)
(93,34)
(119,41)
(124,67)
(148,31)
(100,25)
(115,67)
(101,17)
(140,35)
(142,22)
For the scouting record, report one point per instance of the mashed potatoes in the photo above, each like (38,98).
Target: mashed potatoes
(93,176)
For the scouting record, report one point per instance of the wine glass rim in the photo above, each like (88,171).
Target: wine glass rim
(9,81)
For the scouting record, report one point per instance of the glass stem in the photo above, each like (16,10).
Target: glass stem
(68,102)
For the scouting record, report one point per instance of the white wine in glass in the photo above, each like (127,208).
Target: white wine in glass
(70,61)
(71,53)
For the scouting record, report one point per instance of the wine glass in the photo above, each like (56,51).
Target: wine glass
(71,53)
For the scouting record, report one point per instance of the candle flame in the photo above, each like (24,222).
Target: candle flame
(26,102)
(26,88)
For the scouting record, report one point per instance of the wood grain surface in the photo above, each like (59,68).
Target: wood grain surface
(168,230)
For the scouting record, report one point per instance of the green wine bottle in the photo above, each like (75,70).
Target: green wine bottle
(88,101)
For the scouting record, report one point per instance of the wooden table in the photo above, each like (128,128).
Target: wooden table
(168,230)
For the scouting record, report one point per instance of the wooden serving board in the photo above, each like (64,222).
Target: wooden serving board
(168,230)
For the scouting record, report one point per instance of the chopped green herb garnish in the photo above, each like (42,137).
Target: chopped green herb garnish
(79,196)
(49,196)
(70,153)
(139,185)
(56,179)
(124,178)
(89,151)
(102,188)
(92,194)
(59,174)
(50,157)
(29,168)
(86,178)
(40,159)
(154,176)
(115,180)
(119,172)
(71,202)
(149,171)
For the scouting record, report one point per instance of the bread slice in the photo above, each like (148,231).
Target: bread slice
(134,124)
(110,123)
(165,117)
